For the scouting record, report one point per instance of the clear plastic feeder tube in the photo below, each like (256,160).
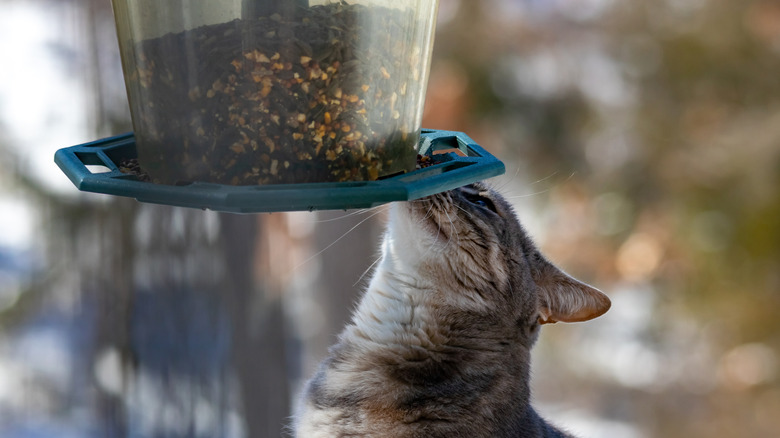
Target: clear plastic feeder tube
(275,91)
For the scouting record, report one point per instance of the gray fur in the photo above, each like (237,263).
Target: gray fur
(440,344)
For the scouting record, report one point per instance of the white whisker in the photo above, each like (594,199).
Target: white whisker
(337,240)
(428,214)
(453,230)
(464,210)
(545,178)
(506,181)
(354,213)
(371,266)
(528,195)
(540,192)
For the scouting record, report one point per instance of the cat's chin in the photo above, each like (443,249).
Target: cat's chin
(421,223)
(410,234)
(403,228)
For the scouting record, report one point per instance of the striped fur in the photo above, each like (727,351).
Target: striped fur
(439,345)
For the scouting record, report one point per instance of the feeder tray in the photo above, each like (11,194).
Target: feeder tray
(455,160)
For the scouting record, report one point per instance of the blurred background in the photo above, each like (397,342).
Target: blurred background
(642,143)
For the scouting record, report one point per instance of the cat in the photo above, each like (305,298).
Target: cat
(439,345)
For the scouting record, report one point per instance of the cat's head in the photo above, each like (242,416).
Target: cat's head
(471,244)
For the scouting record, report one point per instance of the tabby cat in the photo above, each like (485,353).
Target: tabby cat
(440,343)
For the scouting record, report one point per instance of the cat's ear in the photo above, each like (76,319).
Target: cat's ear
(565,299)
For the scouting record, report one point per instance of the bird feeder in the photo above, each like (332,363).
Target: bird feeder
(236,105)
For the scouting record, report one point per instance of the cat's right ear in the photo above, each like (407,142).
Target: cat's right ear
(565,299)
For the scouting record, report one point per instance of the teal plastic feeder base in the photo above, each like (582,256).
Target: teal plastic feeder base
(456,159)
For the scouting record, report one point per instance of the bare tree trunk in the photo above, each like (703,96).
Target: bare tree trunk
(259,334)
(193,326)
(114,295)
(342,264)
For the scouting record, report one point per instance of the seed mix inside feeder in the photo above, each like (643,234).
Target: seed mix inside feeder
(275,96)
(323,93)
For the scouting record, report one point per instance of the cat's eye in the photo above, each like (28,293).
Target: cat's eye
(486,203)
(481,201)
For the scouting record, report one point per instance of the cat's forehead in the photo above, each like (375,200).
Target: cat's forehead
(479,187)
(485,190)
(501,205)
